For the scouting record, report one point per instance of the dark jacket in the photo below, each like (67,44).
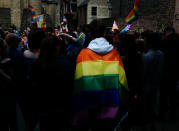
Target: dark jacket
(53,83)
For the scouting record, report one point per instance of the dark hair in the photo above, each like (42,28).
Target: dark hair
(153,40)
(49,29)
(51,46)
(35,38)
(12,40)
(13,27)
(169,29)
(33,25)
(86,28)
(97,28)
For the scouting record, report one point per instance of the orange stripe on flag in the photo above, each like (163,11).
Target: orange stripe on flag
(89,55)
(130,15)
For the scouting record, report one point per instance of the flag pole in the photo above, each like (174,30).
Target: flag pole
(138,26)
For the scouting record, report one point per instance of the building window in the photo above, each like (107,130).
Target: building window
(94,11)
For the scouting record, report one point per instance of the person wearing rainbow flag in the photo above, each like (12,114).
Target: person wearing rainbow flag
(100,86)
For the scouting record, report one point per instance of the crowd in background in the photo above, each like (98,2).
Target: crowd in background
(37,71)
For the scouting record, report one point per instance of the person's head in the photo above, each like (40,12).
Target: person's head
(56,31)
(115,36)
(78,29)
(33,25)
(97,29)
(49,30)
(168,30)
(3,50)
(28,29)
(12,40)
(86,28)
(152,40)
(24,33)
(140,46)
(62,23)
(35,38)
(51,46)
(10,29)
(13,27)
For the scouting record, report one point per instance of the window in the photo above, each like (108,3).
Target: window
(94,11)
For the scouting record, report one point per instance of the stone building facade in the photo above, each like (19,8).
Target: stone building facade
(153,14)
(17,12)
(89,10)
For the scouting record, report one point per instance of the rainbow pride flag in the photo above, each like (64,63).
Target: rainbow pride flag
(100,83)
(128,27)
(25,39)
(115,26)
(33,12)
(133,15)
(136,5)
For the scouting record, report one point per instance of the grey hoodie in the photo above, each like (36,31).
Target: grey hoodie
(100,46)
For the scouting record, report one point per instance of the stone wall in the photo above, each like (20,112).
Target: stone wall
(102,10)
(5,13)
(16,12)
(5,3)
(51,10)
(5,17)
(79,2)
(153,14)
(82,15)
(176,17)
(18,7)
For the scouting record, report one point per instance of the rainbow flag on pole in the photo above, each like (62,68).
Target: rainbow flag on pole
(33,12)
(133,15)
(100,83)
(136,5)
(128,27)
(115,27)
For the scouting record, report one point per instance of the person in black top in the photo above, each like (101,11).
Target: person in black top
(52,78)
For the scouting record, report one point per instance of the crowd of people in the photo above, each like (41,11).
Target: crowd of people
(87,79)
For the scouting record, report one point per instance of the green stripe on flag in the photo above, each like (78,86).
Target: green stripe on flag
(98,82)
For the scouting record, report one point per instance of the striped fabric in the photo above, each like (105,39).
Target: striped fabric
(81,35)
(133,15)
(33,12)
(100,82)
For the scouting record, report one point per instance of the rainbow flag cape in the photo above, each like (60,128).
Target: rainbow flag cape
(133,15)
(115,26)
(100,83)
(33,12)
